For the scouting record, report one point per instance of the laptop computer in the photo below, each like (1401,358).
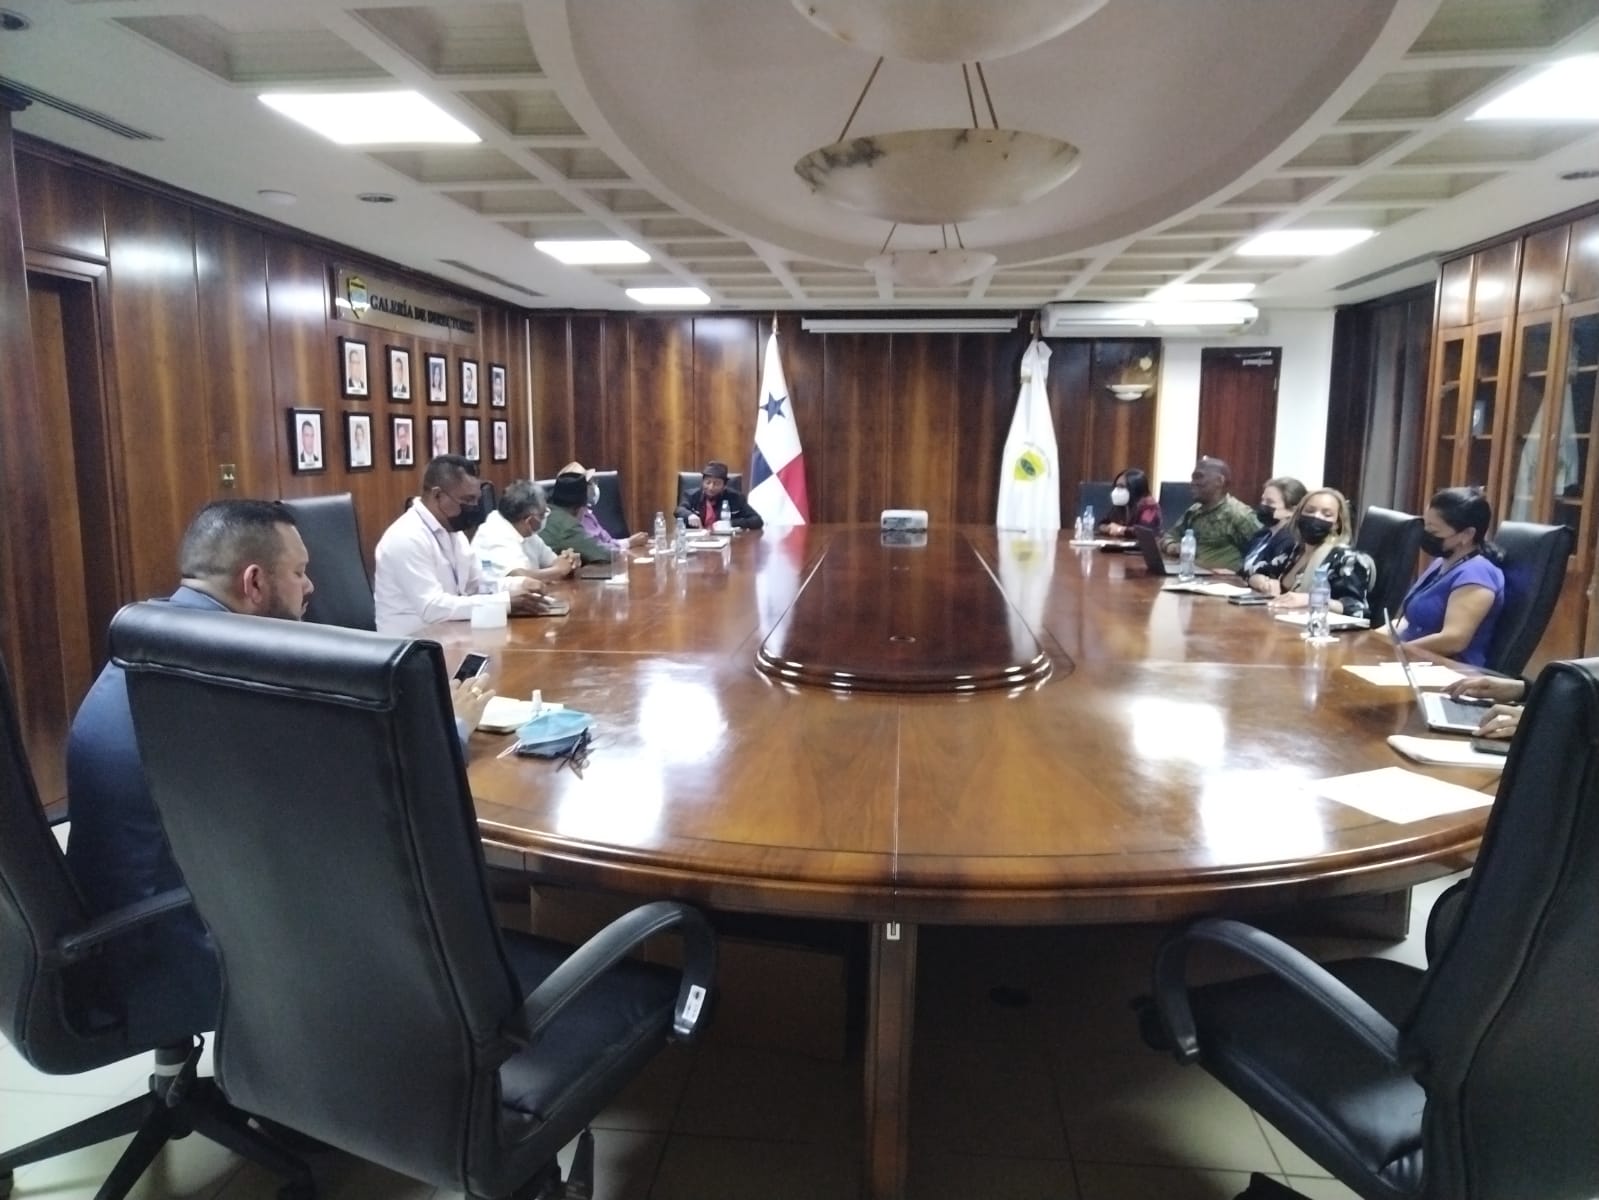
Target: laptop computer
(1149,546)
(1441,713)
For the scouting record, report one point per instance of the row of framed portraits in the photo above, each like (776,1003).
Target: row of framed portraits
(355,376)
(309,451)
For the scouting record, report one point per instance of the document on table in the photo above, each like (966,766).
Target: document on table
(1444,752)
(709,543)
(1392,674)
(507,714)
(1399,796)
(1204,587)
(1334,620)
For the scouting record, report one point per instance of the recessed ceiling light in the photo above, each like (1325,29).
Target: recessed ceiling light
(371,118)
(1202,291)
(277,196)
(1302,243)
(577,253)
(668,295)
(1562,92)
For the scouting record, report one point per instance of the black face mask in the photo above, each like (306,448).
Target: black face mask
(1433,545)
(1266,514)
(1314,529)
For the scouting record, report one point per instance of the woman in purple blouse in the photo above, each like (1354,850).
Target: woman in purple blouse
(1453,609)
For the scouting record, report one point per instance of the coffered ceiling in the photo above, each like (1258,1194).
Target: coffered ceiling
(676,124)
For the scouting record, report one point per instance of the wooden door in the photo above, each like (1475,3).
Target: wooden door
(1238,412)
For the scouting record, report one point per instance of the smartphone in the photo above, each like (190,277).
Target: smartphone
(1500,746)
(472,666)
(1247,600)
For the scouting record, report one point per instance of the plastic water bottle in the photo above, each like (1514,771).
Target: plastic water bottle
(1185,556)
(490,581)
(660,533)
(725,514)
(1079,534)
(1088,522)
(1317,625)
(680,543)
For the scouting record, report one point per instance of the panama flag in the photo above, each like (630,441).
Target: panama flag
(1029,469)
(777,475)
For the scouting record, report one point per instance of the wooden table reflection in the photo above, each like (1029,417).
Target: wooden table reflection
(1152,765)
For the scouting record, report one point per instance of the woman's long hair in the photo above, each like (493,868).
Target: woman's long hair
(1341,534)
(1468,508)
(1137,485)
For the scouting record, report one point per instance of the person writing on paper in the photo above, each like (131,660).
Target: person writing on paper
(1223,524)
(590,520)
(563,528)
(1501,720)
(507,543)
(1322,532)
(1275,512)
(426,570)
(1453,609)
(1131,505)
(702,508)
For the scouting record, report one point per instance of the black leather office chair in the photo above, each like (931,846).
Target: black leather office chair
(325,829)
(1473,1079)
(60,1013)
(1393,540)
(343,594)
(689,481)
(1535,568)
(1092,492)
(488,499)
(608,510)
(1175,497)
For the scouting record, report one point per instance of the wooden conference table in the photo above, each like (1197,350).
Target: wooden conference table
(981,729)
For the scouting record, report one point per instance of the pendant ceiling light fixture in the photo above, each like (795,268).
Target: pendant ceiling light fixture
(937,176)
(942,267)
(946,31)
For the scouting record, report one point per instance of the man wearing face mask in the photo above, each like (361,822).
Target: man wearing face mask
(1222,524)
(587,518)
(507,543)
(426,570)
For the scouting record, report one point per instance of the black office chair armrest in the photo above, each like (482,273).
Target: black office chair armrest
(1444,918)
(1303,974)
(612,944)
(76,946)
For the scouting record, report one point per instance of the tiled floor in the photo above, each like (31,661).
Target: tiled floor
(1043,1094)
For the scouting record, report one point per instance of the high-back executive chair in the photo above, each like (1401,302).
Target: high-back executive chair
(689,481)
(1393,540)
(325,830)
(61,1013)
(343,592)
(608,509)
(1473,1079)
(1175,497)
(1535,568)
(1095,493)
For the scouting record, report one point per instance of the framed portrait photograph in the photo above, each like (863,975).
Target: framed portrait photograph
(307,451)
(352,368)
(472,438)
(402,440)
(496,385)
(438,436)
(399,374)
(438,379)
(499,441)
(358,441)
(468,381)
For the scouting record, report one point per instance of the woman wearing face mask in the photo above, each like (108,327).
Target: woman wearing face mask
(1322,531)
(1278,499)
(1131,505)
(1453,609)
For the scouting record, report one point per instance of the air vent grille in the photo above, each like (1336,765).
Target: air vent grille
(109,124)
(491,277)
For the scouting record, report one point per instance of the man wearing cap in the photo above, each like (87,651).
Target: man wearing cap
(563,528)
(702,507)
(591,523)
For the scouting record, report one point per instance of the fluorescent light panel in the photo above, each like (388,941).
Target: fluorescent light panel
(908,324)
(371,118)
(1565,91)
(668,295)
(1302,243)
(578,253)
(1201,291)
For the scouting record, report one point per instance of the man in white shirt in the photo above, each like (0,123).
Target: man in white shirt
(507,543)
(426,569)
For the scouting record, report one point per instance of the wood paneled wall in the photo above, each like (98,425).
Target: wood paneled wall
(905,420)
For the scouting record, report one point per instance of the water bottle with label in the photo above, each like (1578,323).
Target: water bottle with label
(680,542)
(1187,549)
(1317,625)
(490,581)
(724,516)
(660,533)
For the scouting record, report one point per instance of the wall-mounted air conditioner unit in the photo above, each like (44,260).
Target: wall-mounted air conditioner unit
(1147,318)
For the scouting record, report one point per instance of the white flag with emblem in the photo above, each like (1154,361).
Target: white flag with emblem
(1029,469)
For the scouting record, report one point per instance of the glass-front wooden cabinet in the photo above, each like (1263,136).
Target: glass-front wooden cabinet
(1469,386)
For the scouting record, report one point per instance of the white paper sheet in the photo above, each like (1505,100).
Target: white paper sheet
(1334,620)
(1391,674)
(1444,752)
(507,714)
(1202,587)
(710,543)
(1399,796)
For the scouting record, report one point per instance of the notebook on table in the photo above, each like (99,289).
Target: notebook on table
(1440,712)
(1149,547)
